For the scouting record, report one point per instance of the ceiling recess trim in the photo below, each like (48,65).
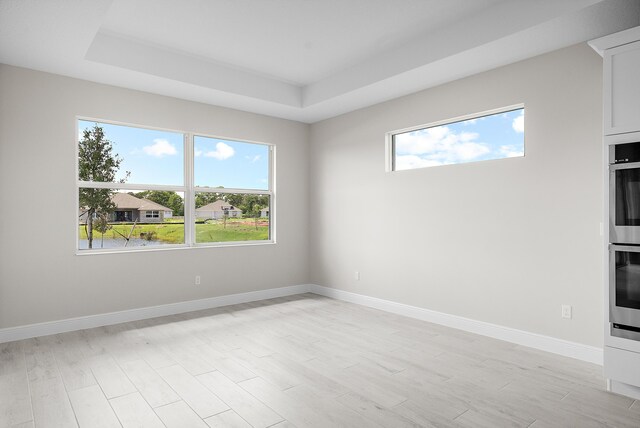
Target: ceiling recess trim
(111,49)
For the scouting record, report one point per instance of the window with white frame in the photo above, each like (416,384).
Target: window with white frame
(497,134)
(231,182)
(211,190)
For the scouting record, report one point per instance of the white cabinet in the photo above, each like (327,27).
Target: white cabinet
(622,365)
(622,369)
(621,97)
(621,76)
(622,89)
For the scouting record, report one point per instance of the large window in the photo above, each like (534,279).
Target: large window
(147,188)
(486,136)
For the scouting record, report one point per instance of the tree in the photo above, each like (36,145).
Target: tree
(203,199)
(101,224)
(235,199)
(176,203)
(257,211)
(252,205)
(98,163)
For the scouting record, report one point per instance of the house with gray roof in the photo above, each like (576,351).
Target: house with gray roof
(218,209)
(130,208)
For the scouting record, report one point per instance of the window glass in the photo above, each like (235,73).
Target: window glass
(127,219)
(494,136)
(230,164)
(146,156)
(224,217)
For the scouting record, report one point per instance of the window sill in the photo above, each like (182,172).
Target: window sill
(174,247)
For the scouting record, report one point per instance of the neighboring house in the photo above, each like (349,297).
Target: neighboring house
(218,209)
(129,208)
(264,212)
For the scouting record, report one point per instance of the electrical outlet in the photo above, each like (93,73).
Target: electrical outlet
(357,275)
(566,311)
(197,280)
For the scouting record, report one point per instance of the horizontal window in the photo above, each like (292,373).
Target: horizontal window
(133,188)
(495,135)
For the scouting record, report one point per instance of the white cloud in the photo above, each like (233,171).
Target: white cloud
(437,146)
(223,151)
(518,123)
(197,152)
(253,159)
(511,151)
(470,151)
(160,148)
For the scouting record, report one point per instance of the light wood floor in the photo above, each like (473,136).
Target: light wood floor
(301,361)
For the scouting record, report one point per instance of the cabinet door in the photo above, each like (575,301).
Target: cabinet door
(622,365)
(622,89)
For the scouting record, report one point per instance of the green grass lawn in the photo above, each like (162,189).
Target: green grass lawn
(173,233)
(236,230)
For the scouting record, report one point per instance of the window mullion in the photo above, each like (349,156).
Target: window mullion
(189,195)
(129,186)
(226,190)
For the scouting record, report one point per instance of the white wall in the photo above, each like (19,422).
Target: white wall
(505,241)
(41,278)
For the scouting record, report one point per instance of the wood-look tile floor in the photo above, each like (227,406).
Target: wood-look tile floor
(300,361)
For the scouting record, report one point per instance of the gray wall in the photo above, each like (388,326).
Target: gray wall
(41,278)
(505,241)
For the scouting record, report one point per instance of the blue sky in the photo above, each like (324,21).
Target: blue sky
(230,164)
(489,137)
(156,157)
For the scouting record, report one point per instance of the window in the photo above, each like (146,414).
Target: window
(231,189)
(497,134)
(147,188)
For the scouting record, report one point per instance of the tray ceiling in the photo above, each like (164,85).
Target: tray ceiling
(303,60)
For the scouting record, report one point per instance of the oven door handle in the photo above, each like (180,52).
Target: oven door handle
(627,248)
(618,166)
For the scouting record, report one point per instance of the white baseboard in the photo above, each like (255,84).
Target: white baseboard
(44,329)
(532,340)
(566,348)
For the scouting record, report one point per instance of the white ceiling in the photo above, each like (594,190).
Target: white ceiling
(299,42)
(304,60)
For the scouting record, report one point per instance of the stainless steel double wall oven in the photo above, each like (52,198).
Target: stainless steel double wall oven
(624,238)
